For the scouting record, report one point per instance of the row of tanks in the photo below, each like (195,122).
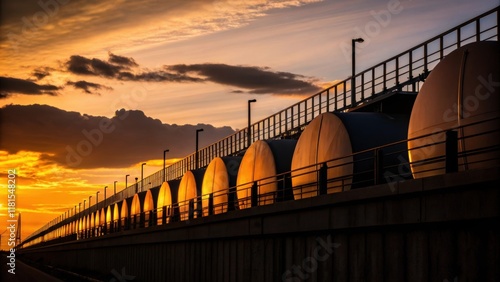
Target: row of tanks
(460,94)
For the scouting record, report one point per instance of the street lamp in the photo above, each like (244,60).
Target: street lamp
(142,176)
(97,199)
(164,158)
(84,204)
(114,184)
(126,176)
(196,152)
(90,197)
(249,130)
(80,205)
(105,193)
(353,79)
(136,184)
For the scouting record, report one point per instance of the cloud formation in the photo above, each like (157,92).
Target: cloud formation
(88,87)
(258,80)
(121,68)
(11,85)
(254,79)
(83,141)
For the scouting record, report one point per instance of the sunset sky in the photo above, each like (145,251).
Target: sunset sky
(138,77)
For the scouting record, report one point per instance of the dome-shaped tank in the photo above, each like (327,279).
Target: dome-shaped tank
(342,140)
(325,138)
(262,161)
(220,176)
(125,213)
(463,89)
(116,216)
(164,200)
(189,191)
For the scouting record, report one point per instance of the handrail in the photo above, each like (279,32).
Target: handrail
(339,183)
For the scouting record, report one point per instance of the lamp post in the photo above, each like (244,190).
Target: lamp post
(90,197)
(126,176)
(114,190)
(164,158)
(97,199)
(197,165)
(249,130)
(136,184)
(84,204)
(353,79)
(79,207)
(142,176)
(105,194)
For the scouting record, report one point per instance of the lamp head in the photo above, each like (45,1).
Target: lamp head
(359,40)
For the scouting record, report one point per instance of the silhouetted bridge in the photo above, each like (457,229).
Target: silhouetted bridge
(384,218)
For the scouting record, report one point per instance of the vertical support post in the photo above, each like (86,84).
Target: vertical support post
(378,166)
(211,204)
(322,179)
(451,158)
(163,215)
(478,30)
(254,197)
(191,209)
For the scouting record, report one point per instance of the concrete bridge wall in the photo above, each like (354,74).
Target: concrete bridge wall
(439,228)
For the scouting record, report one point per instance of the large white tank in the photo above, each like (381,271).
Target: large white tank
(463,89)
(220,176)
(190,190)
(343,141)
(262,161)
(165,199)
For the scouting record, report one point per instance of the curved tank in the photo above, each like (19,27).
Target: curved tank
(102,221)
(166,199)
(109,217)
(189,191)
(116,216)
(125,213)
(220,176)
(461,91)
(149,208)
(262,161)
(343,141)
(141,202)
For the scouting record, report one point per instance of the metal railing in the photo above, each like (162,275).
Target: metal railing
(403,72)
(387,164)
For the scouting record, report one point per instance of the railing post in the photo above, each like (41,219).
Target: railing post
(322,179)
(451,158)
(378,165)
(164,215)
(254,194)
(211,204)
(191,209)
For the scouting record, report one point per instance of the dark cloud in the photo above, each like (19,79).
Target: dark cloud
(88,87)
(257,80)
(41,73)
(11,85)
(84,66)
(83,141)
(120,60)
(118,67)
